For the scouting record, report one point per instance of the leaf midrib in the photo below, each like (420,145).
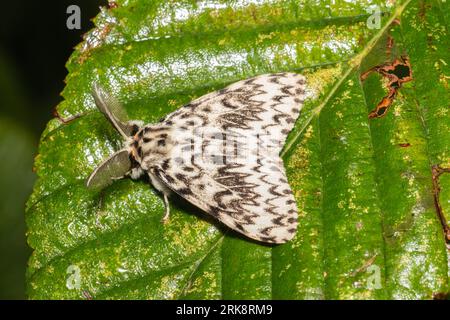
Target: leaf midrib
(353,65)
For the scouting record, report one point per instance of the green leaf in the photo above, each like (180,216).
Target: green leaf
(368,225)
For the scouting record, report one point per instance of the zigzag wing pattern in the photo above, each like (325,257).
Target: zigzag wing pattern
(225,158)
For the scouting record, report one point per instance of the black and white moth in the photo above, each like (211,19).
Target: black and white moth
(220,152)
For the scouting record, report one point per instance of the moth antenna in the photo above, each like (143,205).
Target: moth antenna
(112,168)
(111,108)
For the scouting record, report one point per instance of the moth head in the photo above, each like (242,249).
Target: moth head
(122,162)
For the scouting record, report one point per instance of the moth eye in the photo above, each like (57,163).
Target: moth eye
(161,143)
(135,129)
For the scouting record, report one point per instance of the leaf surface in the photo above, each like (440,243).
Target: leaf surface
(368,225)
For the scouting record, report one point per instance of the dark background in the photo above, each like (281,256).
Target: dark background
(34,47)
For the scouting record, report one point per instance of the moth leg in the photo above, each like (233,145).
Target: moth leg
(99,210)
(166,204)
(165,191)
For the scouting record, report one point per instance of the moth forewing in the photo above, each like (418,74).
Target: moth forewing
(113,168)
(251,195)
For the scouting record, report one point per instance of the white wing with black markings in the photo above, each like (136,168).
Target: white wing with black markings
(225,155)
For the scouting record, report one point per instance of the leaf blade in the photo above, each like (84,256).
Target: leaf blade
(115,238)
